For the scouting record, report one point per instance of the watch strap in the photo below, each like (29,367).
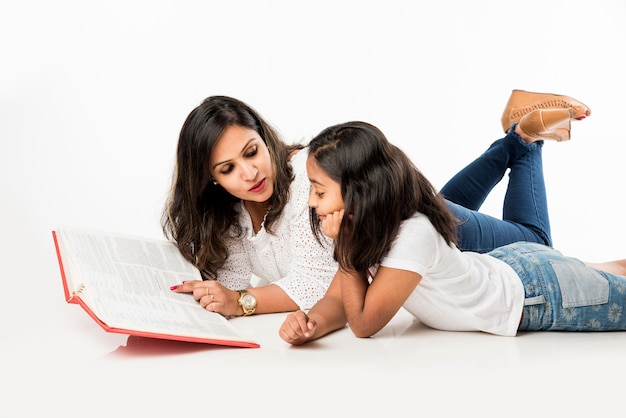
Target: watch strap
(246,309)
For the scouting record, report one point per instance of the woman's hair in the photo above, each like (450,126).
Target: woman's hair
(200,215)
(380,187)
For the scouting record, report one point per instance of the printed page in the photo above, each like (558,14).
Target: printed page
(162,315)
(138,265)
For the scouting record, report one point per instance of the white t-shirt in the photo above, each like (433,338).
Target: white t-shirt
(459,291)
(291,257)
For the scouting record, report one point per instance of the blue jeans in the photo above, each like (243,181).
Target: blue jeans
(525,209)
(562,293)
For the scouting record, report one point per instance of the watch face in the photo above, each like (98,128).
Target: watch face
(248,301)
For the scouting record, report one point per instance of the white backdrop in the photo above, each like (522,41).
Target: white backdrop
(93,94)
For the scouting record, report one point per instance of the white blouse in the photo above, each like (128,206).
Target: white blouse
(291,257)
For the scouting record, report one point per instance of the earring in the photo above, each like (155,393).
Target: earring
(214,183)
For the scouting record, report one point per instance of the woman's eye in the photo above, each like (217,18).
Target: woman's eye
(252,152)
(319,194)
(226,169)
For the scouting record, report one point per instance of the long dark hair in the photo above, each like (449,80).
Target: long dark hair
(199,215)
(380,187)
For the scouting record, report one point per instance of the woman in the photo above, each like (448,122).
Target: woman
(238,211)
(378,196)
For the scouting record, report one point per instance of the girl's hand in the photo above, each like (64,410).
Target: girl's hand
(330,225)
(212,296)
(297,328)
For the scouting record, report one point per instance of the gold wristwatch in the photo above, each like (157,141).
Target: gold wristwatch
(247,301)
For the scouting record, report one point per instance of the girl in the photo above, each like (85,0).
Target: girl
(395,244)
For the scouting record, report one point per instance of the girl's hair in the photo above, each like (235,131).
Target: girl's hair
(380,187)
(201,216)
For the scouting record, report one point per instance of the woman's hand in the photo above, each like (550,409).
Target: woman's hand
(297,328)
(212,296)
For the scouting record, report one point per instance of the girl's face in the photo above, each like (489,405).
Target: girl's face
(325,195)
(241,164)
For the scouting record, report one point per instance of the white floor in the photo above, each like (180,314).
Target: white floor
(93,95)
(69,366)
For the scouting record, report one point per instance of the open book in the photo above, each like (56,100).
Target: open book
(123,283)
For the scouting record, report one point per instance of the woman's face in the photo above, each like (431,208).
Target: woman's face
(325,195)
(241,164)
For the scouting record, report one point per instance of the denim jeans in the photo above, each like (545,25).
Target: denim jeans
(525,209)
(562,293)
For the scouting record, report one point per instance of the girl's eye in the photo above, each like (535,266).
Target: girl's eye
(252,152)
(319,194)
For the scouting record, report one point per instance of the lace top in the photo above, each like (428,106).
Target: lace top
(291,257)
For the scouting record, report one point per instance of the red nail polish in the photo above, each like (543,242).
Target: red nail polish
(174,287)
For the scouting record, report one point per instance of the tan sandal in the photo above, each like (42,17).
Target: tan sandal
(523,102)
(543,124)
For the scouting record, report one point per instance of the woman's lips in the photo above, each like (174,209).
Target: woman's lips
(259,187)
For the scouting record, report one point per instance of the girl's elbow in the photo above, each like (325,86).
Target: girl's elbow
(364,326)
(362,332)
